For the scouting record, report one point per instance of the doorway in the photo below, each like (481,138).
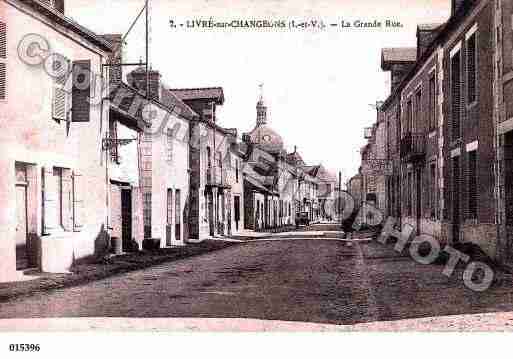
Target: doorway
(126,218)
(456,199)
(178,211)
(418,206)
(236,205)
(22,258)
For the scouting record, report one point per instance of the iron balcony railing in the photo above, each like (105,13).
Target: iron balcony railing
(413,146)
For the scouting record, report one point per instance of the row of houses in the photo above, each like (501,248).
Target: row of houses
(92,155)
(439,155)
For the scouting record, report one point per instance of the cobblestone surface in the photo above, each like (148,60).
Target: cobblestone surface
(319,281)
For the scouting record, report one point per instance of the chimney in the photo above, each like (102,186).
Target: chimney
(115,72)
(426,34)
(456,5)
(59,5)
(399,61)
(137,79)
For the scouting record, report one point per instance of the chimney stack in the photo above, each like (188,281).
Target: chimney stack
(426,34)
(137,79)
(59,5)
(457,4)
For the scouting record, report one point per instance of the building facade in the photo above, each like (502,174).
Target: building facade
(51,137)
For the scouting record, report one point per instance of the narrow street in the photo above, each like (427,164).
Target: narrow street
(308,280)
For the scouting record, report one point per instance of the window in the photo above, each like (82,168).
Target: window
(3,61)
(169,137)
(147,214)
(472,184)
(433,191)
(432,102)
(455,95)
(409,117)
(471,68)
(169,217)
(409,194)
(237,171)
(209,157)
(418,111)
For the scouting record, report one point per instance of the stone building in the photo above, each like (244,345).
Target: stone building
(51,138)
(210,161)
(448,144)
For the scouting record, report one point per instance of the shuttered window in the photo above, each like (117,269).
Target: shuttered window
(409,116)
(433,190)
(471,68)
(169,149)
(409,193)
(78,201)
(432,102)
(81,91)
(472,184)
(418,112)
(3,61)
(169,206)
(455,96)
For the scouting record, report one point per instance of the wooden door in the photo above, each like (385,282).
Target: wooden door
(126,217)
(178,211)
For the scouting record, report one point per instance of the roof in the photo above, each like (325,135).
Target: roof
(170,100)
(70,24)
(200,93)
(295,158)
(429,26)
(265,137)
(397,55)
(454,21)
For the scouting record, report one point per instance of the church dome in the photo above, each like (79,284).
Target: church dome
(263,135)
(266,137)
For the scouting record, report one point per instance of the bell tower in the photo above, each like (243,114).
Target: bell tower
(261,108)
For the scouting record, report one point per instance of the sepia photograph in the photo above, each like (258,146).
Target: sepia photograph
(274,166)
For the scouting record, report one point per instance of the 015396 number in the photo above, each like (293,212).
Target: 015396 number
(24,347)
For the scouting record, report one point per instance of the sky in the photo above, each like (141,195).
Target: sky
(319,85)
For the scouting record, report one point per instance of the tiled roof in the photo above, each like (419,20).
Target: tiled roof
(213,93)
(295,158)
(399,54)
(170,100)
(69,23)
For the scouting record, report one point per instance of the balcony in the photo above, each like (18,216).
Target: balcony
(413,147)
(217,177)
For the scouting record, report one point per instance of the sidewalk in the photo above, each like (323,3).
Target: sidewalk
(90,270)
(485,322)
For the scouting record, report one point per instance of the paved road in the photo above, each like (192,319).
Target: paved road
(321,281)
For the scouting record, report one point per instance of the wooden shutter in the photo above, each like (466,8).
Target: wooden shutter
(81,91)
(78,201)
(60,100)
(3,57)
(50,200)
(472,184)
(456,96)
(471,68)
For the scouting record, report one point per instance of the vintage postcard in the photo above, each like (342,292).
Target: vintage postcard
(243,166)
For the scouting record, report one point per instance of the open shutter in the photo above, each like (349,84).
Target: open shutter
(3,58)
(78,202)
(50,201)
(67,199)
(81,91)
(60,103)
